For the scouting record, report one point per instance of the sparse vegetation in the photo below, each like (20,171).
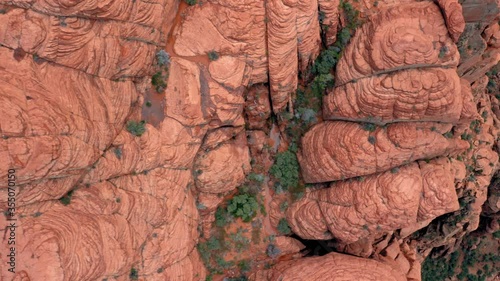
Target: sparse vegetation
(213,55)
(283,227)
(272,251)
(243,206)
(134,274)
(191,2)
(136,128)
(66,199)
(118,152)
(286,170)
(443,51)
(369,127)
(372,139)
(158,80)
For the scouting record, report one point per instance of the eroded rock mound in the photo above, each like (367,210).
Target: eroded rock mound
(341,150)
(403,36)
(357,208)
(333,266)
(428,94)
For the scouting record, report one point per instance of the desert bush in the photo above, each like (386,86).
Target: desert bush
(243,206)
(286,170)
(283,227)
(136,128)
(213,55)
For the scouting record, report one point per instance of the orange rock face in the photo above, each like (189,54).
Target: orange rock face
(333,266)
(341,150)
(400,37)
(428,94)
(390,200)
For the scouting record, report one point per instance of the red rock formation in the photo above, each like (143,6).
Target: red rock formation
(453,16)
(257,106)
(341,150)
(427,94)
(357,208)
(283,49)
(333,267)
(82,43)
(398,37)
(329,12)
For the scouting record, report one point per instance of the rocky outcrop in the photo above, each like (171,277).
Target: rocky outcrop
(83,43)
(428,94)
(396,38)
(358,208)
(341,150)
(257,106)
(333,266)
(453,16)
(329,18)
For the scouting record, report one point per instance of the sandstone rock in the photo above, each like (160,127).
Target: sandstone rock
(46,118)
(282,48)
(333,266)
(85,44)
(228,71)
(329,11)
(257,106)
(231,28)
(400,37)
(453,16)
(118,223)
(308,33)
(341,150)
(223,163)
(415,94)
(354,209)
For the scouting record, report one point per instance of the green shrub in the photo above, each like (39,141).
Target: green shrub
(118,152)
(66,199)
(162,58)
(213,55)
(221,217)
(243,206)
(369,127)
(283,227)
(286,170)
(134,274)
(136,128)
(272,251)
(244,265)
(191,2)
(158,80)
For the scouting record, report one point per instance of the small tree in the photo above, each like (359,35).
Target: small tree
(243,206)
(136,128)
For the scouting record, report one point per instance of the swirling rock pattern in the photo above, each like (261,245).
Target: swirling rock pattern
(282,48)
(341,150)
(223,161)
(329,10)
(333,266)
(275,39)
(257,106)
(453,16)
(428,94)
(399,37)
(47,118)
(354,209)
(81,43)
